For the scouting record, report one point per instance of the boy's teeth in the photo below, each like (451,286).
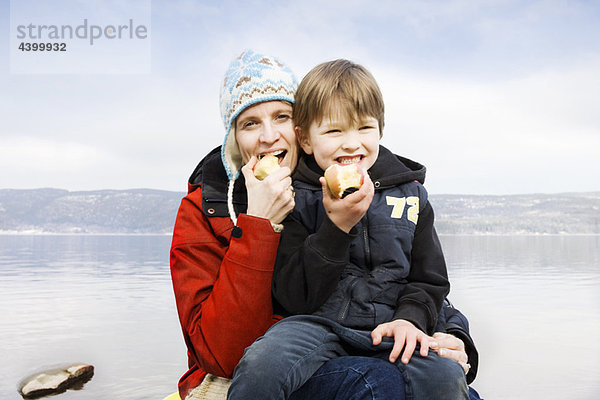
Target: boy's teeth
(352,160)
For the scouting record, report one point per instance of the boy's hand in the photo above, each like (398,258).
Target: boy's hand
(271,198)
(346,212)
(405,335)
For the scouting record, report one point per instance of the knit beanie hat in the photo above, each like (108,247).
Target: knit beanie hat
(250,79)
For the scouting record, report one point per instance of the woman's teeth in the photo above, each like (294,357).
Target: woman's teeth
(276,153)
(280,154)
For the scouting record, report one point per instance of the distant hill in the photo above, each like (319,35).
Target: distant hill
(138,211)
(146,211)
(564,213)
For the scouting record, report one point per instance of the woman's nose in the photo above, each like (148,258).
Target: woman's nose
(269,133)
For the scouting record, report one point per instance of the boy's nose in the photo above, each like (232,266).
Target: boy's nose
(352,140)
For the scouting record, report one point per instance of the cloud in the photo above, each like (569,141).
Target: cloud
(30,162)
(492,96)
(519,135)
(39,162)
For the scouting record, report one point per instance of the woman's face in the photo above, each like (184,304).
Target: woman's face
(267,128)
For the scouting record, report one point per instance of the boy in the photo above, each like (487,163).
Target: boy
(368,267)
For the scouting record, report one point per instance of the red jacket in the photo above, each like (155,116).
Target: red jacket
(222,283)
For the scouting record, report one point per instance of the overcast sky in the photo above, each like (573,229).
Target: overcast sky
(494,97)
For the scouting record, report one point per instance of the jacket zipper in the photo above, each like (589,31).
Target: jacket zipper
(366,240)
(343,313)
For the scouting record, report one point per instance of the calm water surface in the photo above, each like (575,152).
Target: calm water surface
(533,303)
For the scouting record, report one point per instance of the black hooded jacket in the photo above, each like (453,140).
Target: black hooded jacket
(211,174)
(390,266)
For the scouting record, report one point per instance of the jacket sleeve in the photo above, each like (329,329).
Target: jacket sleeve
(222,289)
(309,266)
(452,321)
(428,283)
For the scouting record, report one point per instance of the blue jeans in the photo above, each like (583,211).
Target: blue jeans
(357,378)
(284,359)
(353,378)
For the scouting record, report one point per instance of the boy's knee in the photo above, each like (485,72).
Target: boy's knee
(435,377)
(452,377)
(253,375)
(257,359)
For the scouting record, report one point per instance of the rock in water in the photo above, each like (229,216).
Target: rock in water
(55,380)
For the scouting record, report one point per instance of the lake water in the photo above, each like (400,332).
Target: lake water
(533,303)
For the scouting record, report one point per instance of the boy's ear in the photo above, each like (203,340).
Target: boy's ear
(303,140)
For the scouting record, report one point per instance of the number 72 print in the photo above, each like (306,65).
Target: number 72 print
(400,203)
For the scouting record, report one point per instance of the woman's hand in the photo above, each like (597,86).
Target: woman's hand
(451,347)
(271,198)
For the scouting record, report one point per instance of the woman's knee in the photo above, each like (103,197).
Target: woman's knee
(384,379)
(354,377)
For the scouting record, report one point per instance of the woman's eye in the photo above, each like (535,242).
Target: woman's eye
(248,124)
(284,117)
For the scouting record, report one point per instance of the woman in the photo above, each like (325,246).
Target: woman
(226,236)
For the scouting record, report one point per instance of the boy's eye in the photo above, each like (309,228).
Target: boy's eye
(331,131)
(366,127)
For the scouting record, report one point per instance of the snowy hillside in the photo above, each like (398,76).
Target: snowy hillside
(145,211)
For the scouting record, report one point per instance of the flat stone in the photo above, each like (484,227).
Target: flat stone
(55,380)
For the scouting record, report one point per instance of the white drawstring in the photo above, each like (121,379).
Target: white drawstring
(230,201)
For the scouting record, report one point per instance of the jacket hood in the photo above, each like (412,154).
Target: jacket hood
(210,174)
(389,170)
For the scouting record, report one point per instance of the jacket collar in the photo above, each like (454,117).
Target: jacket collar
(211,176)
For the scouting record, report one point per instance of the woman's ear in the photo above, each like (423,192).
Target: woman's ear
(303,140)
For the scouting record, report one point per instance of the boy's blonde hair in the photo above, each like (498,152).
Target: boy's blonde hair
(338,85)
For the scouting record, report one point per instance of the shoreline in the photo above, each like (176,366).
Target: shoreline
(491,234)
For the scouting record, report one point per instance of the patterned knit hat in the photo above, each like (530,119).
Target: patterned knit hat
(250,79)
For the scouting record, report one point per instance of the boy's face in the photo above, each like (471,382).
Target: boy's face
(267,128)
(341,141)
